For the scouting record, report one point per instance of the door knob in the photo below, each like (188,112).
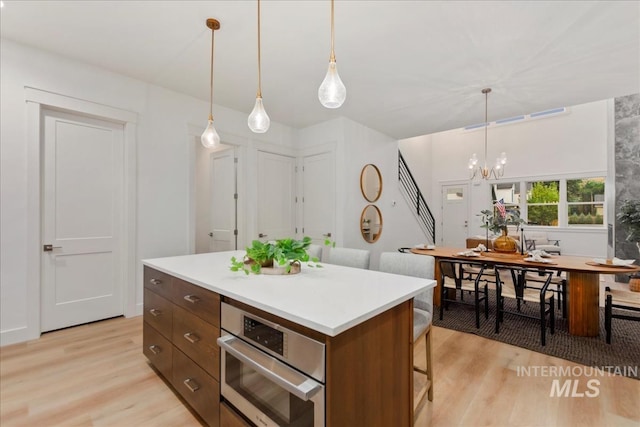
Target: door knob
(262,235)
(49,248)
(327,235)
(211,234)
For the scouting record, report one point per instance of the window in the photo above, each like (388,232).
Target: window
(576,202)
(585,202)
(455,194)
(543,198)
(509,193)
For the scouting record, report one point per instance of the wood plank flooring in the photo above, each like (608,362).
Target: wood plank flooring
(96,375)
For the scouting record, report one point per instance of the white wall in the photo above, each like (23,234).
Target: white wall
(356,146)
(568,145)
(163,163)
(166,156)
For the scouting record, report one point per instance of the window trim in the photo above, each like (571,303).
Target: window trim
(563,204)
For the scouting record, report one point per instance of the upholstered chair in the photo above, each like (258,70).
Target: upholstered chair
(416,266)
(358,258)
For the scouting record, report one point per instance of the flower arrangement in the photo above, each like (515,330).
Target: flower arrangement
(498,219)
(284,253)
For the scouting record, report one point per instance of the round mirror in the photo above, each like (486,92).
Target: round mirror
(371,223)
(371,182)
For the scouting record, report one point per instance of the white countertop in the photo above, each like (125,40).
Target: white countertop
(329,300)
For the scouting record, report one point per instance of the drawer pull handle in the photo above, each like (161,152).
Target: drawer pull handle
(191,337)
(192,298)
(155,312)
(155,281)
(155,349)
(191,385)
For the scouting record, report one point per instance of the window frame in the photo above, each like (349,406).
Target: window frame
(563,204)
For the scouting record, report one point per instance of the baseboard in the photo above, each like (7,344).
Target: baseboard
(16,335)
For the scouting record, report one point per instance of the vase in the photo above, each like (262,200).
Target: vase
(505,243)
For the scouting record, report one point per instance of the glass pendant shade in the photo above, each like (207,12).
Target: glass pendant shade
(332,91)
(259,119)
(210,137)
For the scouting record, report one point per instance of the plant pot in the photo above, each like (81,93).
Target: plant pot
(505,244)
(282,269)
(634,283)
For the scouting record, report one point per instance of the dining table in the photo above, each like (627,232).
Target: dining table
(583,279)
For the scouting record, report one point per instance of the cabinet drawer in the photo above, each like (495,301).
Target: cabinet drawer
(197,339)
(158,282)
(158,350)
(199,301)
(229,417)
(158,312)
(199,389)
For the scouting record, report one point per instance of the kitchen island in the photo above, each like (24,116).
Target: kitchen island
(363,318)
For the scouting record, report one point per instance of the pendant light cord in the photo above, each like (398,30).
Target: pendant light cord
(259,94)
(332,58)
(211,77)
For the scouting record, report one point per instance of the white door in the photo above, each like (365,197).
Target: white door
(276,196)
(223,203)
(82,220)
(455,215)
(318,196)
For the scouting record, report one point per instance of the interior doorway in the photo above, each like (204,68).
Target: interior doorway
(455,215)
(82,195)
(216,198)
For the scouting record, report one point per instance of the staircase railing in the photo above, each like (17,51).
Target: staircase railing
(408,183)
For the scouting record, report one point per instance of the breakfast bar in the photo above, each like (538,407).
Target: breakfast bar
(346,333)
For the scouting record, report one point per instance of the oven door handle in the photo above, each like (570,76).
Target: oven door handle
(306,387)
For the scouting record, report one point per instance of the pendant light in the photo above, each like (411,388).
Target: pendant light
(477,171)
(332,92)
(258,119)
(210,137)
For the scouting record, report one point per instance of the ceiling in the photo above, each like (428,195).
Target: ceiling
(410,67)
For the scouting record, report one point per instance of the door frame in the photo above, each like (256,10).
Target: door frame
(36,101)
(468,188)
(229,140)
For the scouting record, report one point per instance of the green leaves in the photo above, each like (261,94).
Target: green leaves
(629,216)
(496,223)
(282,252)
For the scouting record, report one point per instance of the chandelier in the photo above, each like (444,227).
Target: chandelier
(477,171)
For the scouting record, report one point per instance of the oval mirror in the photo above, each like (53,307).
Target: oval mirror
(371,182)
(371,223)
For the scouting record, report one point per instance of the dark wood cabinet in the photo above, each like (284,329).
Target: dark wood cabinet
(181,326)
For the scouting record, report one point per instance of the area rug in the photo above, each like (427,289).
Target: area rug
(621,356)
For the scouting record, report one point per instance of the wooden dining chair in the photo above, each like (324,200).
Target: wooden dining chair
(623,301)
(452,278)
(514,287)
(558,286)
(416,266)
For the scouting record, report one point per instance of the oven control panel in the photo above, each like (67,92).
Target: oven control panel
(264,335)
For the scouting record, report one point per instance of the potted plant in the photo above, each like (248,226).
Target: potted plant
(497,222)
(283,256)
(629,216)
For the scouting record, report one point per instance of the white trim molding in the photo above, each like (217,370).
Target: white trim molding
(36,100)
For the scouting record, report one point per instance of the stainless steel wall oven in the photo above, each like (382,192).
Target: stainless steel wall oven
(272,375)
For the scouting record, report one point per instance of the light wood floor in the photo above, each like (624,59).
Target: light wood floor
(96,375)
